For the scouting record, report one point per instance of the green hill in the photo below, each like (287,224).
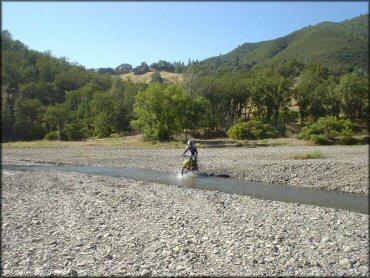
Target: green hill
(327,43)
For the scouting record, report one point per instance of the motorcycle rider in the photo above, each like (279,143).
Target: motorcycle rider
(193,151)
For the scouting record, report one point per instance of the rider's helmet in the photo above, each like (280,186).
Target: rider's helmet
(190,143)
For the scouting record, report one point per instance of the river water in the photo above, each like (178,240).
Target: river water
(261,190)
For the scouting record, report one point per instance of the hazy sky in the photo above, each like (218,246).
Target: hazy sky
(107,34)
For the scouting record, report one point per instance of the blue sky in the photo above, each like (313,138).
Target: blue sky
(107,34)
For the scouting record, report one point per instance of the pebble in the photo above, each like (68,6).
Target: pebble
(364,269)
(345,263)
(145,272)
(348,249)
(180,267)
(325,239)
(99,236)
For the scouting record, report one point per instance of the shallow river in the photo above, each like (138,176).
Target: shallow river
(261,190)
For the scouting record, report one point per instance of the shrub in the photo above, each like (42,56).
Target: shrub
(312,155)
(321,139)
(156,77)
(102,125)
(51,135)
(251,130)
(73,132)
(327,130)
(349,140)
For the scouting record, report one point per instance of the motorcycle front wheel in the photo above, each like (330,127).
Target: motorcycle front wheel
(184,170)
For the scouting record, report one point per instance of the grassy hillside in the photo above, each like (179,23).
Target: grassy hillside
(328,43)
(146,78)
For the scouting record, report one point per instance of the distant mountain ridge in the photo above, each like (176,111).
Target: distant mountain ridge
(330,44)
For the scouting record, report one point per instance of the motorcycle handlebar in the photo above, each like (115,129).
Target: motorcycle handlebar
(187,156)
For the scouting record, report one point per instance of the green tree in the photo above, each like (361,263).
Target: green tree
(7,121)
(28,114)
(156,109)
(354,91)
(102,125)
(43,91)
(163,65)
(121,105)
(312,93)
(47,68)
(271,96)
(123,68)
(70,80)
(143,68)
(56,118)
(190,111)
(156,77)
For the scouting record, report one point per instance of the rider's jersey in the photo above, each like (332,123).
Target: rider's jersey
(193,150)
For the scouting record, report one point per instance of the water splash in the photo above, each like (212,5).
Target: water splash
(187,175)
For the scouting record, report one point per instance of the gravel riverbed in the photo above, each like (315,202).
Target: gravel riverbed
(56,223)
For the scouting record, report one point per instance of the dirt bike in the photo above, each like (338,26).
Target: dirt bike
(190,165)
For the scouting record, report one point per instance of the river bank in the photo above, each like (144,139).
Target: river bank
(57,223)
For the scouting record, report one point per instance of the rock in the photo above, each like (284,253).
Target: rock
(346,263)
(364,269)
(144,266)
(324,239)
(59,272)
(99,236)
(145,272)
(81,264)
(180,267)
(229,242)
(166,253)
(72,272)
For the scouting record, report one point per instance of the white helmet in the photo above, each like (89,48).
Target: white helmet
(190,143)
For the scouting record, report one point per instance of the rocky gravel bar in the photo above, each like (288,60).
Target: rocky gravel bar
(72,224)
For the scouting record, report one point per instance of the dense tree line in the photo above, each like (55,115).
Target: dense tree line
(45,96)
(178,67)
(48,97)
(267,93)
